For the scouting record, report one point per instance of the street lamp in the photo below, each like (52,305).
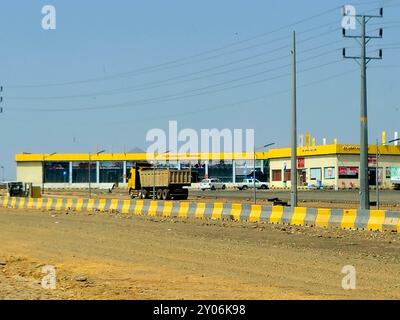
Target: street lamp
(394,140)
(254,168)
(43,168)
(2,173)
(90,184)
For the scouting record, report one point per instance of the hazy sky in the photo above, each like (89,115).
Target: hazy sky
(112,70)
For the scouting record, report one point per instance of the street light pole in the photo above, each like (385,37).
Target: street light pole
(43,168)
(293,175)
(154,173)
(90,186)
(90,183)
(154,179)
(394,140)
(254,169)
(2,174)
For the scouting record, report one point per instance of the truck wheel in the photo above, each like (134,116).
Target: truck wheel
(166,194)
(245,187)
(144,194)
(212,187)
(159,194)
(223,187)
(263,186)
(131,194)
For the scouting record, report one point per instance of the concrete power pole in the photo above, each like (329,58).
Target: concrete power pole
(363,60)
(293,172)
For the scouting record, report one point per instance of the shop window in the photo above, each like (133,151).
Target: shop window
(80,172)
(110,171)
(348,172)
(329,173)
(56,172)
(221,170)
(276,175)
(288,173)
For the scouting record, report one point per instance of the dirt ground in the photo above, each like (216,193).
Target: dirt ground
(104,256)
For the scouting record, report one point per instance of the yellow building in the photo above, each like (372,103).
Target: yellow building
(333,166)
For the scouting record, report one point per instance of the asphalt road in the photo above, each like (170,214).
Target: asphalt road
(391,197)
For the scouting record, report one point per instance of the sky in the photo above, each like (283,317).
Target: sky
(113,70)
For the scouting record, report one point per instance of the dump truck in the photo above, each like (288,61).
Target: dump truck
(168,183)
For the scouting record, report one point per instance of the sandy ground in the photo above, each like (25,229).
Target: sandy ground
(103,256)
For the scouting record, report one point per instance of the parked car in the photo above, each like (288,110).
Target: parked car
(212,184)
(17,189)
(249,183)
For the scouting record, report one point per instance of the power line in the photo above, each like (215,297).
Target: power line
(167,82)
(238,103)
(175,97)
(173,62)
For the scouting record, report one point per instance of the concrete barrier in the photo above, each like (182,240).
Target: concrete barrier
(355,219)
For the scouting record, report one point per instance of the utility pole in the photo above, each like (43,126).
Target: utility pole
(377,176)
(363,60)
(293,173)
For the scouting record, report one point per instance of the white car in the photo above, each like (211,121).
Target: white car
(249,183)
(212,184)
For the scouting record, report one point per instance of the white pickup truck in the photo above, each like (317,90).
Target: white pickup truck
(249,183)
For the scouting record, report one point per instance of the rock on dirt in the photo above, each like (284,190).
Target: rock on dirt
(81,278)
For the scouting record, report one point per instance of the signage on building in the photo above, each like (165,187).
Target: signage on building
(348,171)
(372,160)
(300,163)
(351,148)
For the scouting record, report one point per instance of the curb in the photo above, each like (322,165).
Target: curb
(352,219)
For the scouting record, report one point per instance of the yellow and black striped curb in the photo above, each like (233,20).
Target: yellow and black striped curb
(381,220)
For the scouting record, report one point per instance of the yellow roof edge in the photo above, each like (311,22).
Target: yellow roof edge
(270,154)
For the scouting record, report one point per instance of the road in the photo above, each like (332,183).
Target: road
(387,197)
(104,256)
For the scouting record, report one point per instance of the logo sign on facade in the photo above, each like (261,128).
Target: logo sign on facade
(372,160)
(300,163)
(348,171)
